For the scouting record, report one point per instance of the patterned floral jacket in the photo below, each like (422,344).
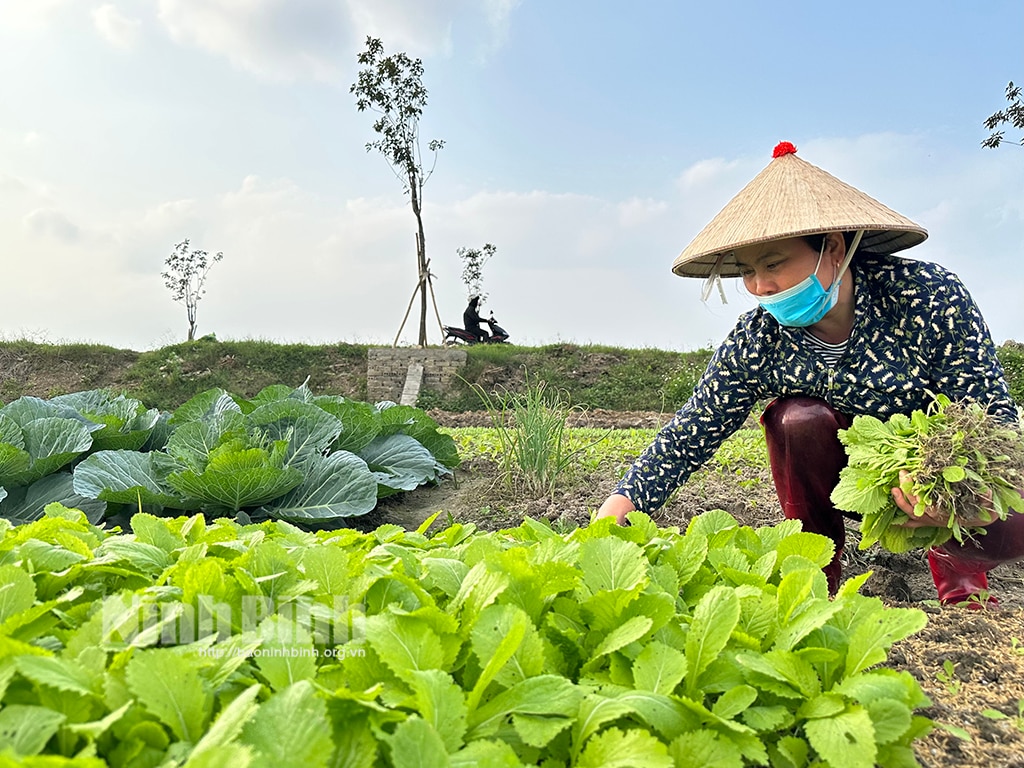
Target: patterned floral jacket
(916,331)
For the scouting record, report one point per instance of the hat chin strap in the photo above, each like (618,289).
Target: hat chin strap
(849,254)
(713,279)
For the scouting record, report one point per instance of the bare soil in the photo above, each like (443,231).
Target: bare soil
(985,647)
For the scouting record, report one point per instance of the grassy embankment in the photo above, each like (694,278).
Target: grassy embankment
(587,376)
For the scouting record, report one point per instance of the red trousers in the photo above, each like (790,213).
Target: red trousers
(806,458)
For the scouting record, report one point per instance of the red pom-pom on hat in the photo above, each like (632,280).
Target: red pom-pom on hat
(783,148)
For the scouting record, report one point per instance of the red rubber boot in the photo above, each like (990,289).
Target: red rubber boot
(959,580)
(806,457)
(960,570)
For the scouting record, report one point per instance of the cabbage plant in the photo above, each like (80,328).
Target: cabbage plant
(284,454)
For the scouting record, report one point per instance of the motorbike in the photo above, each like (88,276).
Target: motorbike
(454,335)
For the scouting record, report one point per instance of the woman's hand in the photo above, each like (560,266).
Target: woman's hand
(617,506)
(936,518)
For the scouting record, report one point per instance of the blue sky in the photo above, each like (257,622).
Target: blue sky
(588,140)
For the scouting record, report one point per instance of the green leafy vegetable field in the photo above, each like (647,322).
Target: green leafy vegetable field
(202,643)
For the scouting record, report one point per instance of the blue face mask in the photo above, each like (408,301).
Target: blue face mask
(805,303)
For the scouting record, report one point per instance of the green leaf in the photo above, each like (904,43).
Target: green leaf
(416,423)
(14,459)
(10,432)
(480,588)
(228,725)
(331,567)
(890,718)
(63,674)
(144,558)
(514,625)
(825,705)
(812,613)
(335,486)
(790,752)
(17,591)
(404,643)
(954,474)
(444,573)
(769,718)
(659,668)
(51,442)
(129,477)
(169,686)
(596,710)
(498,630)
(29,503)
(610,564)
(157,531)
(847,739)
(789,667)
(286,653)
(126,422)
(714,618)
(665,714)
(615,748)
(237,479)
(734,701)
(541,695)
(308,430)
(492,754)
(290,730)
(417,744)
(629,631)
(401,462)
(361,423)
(442,704)
(879,684)
(214,406)
(699,749)
(538,730)
(686,555)
(25,729)
(875,634)
(96,728)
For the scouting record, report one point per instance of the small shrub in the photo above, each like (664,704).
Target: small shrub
(531,428)
(1011,355)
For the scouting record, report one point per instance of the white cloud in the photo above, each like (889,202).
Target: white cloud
(36,14)
(116,28)
(425,27)
(706,172)
(51,222)
(277,39)
(636,212)
(298,39)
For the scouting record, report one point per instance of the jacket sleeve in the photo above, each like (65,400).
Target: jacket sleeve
(967,366)
(721,402)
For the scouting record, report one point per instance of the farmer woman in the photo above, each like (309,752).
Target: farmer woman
(843,328)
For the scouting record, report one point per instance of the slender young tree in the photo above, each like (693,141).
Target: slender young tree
(1013,116)
(185,277)
(392,87)
(473,260)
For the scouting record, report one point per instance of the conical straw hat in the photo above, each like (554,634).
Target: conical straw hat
(790,198)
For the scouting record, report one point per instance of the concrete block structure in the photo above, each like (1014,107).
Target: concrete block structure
(392,372)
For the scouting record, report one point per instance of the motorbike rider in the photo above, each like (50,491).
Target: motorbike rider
(471,319)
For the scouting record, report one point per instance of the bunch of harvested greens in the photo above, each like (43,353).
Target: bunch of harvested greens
(960,460)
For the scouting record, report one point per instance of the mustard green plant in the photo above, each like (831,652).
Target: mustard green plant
(1016,720)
